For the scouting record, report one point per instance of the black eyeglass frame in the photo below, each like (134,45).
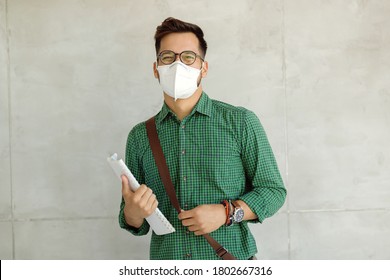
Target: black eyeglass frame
(178,54)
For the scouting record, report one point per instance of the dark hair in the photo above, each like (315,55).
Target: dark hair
(172,25)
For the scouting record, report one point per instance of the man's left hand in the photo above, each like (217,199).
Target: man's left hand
(204,218)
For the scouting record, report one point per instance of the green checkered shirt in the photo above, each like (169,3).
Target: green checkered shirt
(217,152)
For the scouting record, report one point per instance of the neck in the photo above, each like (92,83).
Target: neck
(183,107)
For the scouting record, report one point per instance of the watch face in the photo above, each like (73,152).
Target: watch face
(238,215)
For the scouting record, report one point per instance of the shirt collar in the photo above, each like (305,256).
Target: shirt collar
(164,112)
(204,107)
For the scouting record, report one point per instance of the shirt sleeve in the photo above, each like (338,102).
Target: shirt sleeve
(133,162)
(266,192)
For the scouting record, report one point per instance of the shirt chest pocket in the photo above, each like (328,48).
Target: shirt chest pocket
(222,168)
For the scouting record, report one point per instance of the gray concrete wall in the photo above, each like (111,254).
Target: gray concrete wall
(75,76)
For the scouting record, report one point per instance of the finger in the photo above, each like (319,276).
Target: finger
(185,215)
(125,186)
(193,228)
(188,222)
(152,207)
(140,196)
(143,197)
(199,232)
(147,200)
(151,199)
(147,193)
(148,203)
(140,191)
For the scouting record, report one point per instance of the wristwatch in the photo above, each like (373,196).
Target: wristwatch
(238,212)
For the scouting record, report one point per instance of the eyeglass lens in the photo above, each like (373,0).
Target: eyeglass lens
(187,57)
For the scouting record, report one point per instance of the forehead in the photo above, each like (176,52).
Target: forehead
(179,42)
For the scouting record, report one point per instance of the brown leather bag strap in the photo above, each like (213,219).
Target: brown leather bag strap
(161,163)
(163,170)
(218,248)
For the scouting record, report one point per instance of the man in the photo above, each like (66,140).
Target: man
(218,155)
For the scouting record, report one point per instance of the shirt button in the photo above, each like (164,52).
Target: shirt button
(188,255)
(185,178)
(183,152)
(183,126)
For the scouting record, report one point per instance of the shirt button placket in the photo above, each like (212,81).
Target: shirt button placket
(187,233)
(184,192)
(182,160)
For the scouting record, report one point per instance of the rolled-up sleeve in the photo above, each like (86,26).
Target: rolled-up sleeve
(266,192)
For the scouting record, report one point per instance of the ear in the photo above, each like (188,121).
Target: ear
(205,69)
(155,72)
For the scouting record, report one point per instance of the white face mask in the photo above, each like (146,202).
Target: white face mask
(178,80)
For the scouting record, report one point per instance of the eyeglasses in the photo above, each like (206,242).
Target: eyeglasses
(187,57)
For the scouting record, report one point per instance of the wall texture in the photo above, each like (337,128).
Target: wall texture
(75,76)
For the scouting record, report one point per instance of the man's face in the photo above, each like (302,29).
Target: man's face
(179,42)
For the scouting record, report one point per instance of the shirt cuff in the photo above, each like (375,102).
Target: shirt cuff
(142,230)
(255,204)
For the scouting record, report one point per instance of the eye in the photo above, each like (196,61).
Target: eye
(188,57)
(167,57)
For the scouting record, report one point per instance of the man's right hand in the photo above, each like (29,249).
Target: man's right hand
(139,204)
